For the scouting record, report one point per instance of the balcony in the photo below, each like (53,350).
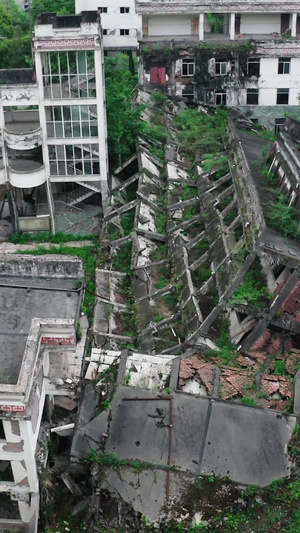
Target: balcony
(22,129)
(26,179)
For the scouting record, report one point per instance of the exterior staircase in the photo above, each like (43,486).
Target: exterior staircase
(82,192)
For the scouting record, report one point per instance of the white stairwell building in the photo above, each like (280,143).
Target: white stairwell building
(53,134)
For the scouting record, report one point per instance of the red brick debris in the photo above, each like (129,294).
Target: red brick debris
(292,303)
(277,385)
(233,382)
(197,365)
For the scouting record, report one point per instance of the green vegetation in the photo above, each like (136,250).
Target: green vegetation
(60,7)
(121,259)
(113,461)
(15,42)
(280,368)
(127,222)
(123,117)
(253,291)
(88,256)
(200,134)
(161,222)
(248,401)
(41,237)
(283,217)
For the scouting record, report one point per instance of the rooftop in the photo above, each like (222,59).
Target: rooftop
(28,296)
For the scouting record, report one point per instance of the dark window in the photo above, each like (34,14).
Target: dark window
(253,66)
(188,67)
(124,32)
(284,65)
(221,68)
(278,124)
(102,9)
(252,96)
(104,32)
(2,433)
(124,10)
(188,92)
(282,97)
(220,98)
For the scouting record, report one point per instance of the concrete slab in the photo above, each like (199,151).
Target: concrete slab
(18,306)
(208,437)
(135,430)
(189,419)
(143,489)
(246,444)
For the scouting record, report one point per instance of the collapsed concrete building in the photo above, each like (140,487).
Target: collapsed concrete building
(40,361)
(182,353)
(53,125)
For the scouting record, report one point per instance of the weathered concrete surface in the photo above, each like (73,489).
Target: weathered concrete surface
(208,437)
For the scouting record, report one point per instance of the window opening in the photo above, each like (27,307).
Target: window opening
(284,65)
(282,97)
(188,67)
(252,96)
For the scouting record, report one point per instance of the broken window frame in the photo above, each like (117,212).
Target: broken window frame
(222,95)
(284,65)
(63,159)
(278,124)
(124,10)
(188,91)
(283,95)
(253,66)
(188,68)
(251,95)
(73,121)
(69,74)
(124,32)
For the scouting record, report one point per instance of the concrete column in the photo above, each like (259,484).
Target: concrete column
(294,25)
(201,27)
(102,127)
(232,27)
(140,28)
(4,153)
(45,151)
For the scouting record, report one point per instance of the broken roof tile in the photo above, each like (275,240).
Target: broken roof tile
(263,340)
(292,303)
(272,384)
(197,365)
(233,382)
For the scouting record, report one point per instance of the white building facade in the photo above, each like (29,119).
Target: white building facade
(252,52)
(121,25)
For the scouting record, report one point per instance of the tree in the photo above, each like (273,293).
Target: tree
(15,41)
(123,117)
(60,7)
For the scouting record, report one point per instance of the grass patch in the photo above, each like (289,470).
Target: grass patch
(253,291)
(41,237)
(121,259)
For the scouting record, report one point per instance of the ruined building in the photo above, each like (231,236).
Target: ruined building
(241,54)
(40,361)
(53,123)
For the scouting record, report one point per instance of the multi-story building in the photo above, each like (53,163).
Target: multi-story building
(39,361)
(233,53)
(121,25)
(53,122)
